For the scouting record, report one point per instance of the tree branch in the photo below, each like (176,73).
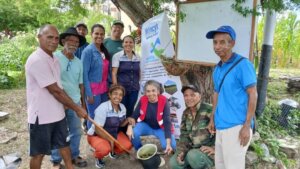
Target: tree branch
(135,9)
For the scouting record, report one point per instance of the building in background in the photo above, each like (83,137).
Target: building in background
(110,9)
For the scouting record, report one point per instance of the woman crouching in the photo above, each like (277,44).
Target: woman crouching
(110,115)
(152,115)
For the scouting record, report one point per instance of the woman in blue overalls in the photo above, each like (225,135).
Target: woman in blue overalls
(126,72)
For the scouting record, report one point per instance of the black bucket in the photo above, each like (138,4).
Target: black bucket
(148,156)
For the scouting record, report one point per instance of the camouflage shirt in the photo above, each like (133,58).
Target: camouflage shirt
(193,132)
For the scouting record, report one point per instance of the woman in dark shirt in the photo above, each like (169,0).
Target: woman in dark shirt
(152,117)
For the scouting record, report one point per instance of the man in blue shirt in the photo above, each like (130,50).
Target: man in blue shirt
(234,101)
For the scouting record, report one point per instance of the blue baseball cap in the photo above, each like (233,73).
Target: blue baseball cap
(222,29)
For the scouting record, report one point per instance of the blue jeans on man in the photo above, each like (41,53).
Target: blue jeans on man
(74,126)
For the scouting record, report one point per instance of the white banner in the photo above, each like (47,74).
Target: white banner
(156,41)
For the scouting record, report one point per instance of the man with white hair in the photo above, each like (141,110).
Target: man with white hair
(71,75)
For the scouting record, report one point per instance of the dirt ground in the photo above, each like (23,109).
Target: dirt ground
(14,103)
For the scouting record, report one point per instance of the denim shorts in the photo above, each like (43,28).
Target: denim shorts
(46,137)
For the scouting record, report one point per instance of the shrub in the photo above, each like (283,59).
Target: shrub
(6,81)
(270,130)
(13,55)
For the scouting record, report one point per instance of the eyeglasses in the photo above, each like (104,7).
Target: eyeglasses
(69,65)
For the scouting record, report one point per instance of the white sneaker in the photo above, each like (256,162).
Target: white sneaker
(100,163)
(113,155)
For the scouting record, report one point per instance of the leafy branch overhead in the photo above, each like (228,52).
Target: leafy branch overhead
(25,15)
(277,5)
(140,11)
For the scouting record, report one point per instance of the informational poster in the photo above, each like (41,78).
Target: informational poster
(192,44)
(156,41)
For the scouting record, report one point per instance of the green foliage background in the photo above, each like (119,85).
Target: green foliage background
(13,55)
(23,18)
(286,48)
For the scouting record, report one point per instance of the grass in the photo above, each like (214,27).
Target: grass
(277,87)
(281,73)
(268,127)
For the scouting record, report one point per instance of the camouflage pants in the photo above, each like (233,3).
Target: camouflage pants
(194,159)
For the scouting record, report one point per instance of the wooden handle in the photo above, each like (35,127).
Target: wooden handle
(108,136)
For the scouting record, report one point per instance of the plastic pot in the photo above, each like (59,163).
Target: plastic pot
(148,156)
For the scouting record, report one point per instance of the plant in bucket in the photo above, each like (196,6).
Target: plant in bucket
(149,157)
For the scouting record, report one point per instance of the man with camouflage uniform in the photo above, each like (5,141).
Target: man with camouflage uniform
(195,147)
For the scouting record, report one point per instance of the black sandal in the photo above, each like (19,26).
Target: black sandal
(79,162)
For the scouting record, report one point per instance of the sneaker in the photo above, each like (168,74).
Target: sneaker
(113,155)
(99,163)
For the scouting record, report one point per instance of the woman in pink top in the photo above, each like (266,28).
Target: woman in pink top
(95,60)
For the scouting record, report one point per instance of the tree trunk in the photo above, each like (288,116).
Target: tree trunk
(135,9)
(201,76)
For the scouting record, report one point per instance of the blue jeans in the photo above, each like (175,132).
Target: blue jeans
(129,101)
(74,126)
(143,129)
(98,99)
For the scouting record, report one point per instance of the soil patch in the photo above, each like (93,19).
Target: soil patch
(14,102)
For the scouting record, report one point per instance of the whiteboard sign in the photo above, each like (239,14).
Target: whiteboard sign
(202,17)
